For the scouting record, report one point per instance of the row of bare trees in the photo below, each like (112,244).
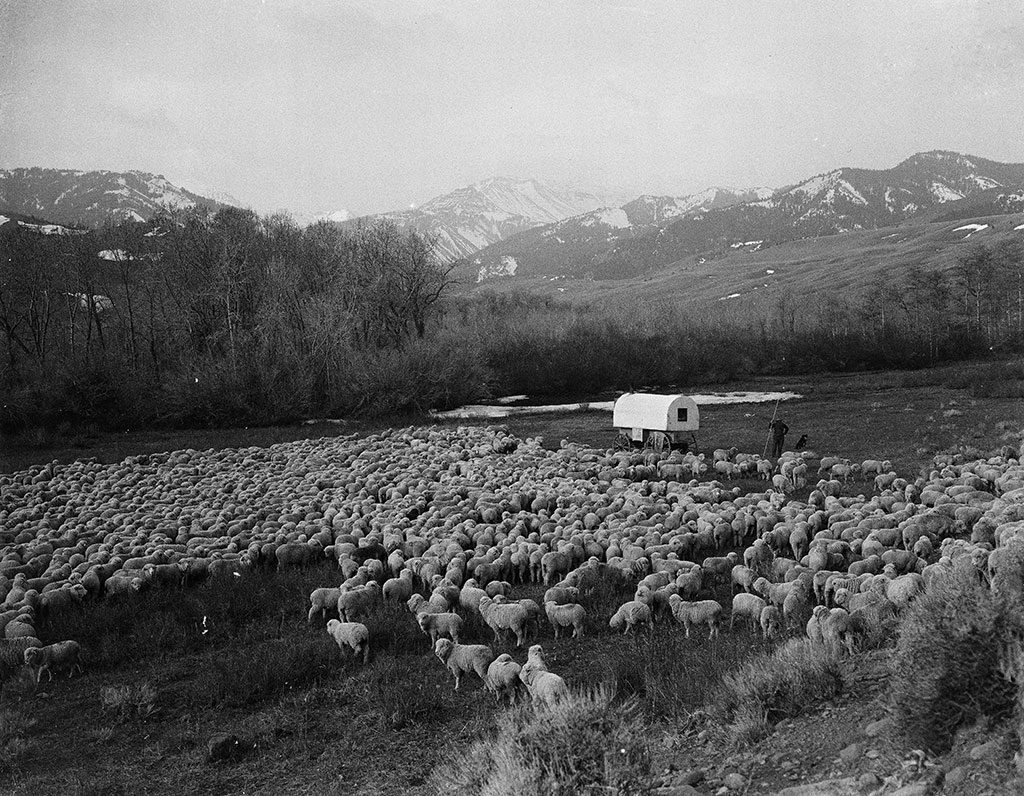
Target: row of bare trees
(193,295)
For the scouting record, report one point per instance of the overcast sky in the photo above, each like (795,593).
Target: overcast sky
(375,105)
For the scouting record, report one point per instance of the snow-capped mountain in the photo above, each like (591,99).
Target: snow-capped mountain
(470,218)
(92,197)
(846,199)
(573,244)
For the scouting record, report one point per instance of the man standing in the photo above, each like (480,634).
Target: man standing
(779,430)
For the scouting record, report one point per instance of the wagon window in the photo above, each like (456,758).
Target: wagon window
(681,417)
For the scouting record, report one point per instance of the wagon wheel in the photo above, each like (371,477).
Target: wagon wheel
(623,442)
(658,441)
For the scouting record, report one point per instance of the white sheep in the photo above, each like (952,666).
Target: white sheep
(322,599)
(836,631)
(503,677)
(502,616)
(564,616)
(702,612)
(351,635)
(545,687)
(770,621)
(61,655)
(435,625)
(749,606)
(629,615)
(463,658)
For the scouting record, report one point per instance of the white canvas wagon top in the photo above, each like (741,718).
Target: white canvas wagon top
(655,412)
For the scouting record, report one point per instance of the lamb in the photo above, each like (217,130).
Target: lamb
(462,659)
(353,635)
(435,625)
(630,615)
(749,606)
(545,687)
(702,612)
(321,599)
(563,616)
(501,616)
(61,655)
(503,677)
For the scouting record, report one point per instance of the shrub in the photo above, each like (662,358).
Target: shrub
(777,685)
(584,742)
(945,671)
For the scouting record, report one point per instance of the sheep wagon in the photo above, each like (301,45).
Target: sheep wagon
(654,421)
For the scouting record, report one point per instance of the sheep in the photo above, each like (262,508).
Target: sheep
(320,600)
(12,655)
(874,467)
(545,687)
(703,612)
(358,602)
(61,655)
(770,621)
(462,659)
(351,635)
(563,616)
(562,595)
(501,616)
(814,624)
(398,588)
(503,677)
(435,625)
(749,606)
(742,578)
(836,631)
(631,614)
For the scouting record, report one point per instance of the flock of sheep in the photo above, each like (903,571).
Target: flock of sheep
(451,521)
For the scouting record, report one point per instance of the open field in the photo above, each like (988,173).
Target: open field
(237,655)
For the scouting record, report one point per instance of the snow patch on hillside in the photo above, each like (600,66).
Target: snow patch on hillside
(51,229)
(1018,227)
(944,193)
(506,266)
(4,220)
(816,185)
(973,229)
(614,217)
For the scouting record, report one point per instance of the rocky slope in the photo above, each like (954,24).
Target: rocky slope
(616,245)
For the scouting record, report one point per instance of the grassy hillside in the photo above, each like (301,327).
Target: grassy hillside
(841,266)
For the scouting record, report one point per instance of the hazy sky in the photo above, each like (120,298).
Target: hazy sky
(374,105)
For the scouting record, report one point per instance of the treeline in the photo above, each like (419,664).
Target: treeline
(233,318)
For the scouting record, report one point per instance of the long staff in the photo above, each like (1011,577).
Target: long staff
(769,437)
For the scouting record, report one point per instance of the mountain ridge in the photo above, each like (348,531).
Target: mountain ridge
(832,202)
(81,197)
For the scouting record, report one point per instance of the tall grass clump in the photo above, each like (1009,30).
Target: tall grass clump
(587,743)
(946,668)
(775,686)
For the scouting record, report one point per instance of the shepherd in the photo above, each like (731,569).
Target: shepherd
(779,429)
